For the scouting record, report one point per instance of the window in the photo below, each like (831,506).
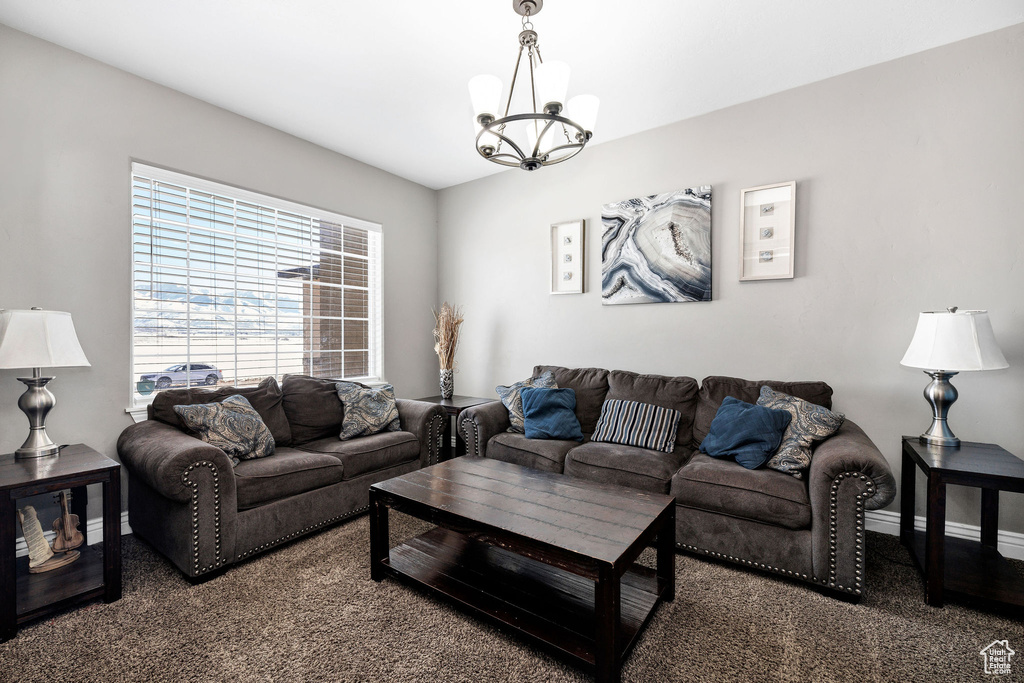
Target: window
(230,286)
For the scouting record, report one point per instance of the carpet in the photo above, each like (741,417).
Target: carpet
(309,611)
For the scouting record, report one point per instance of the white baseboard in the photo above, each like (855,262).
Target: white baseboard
(94,527)
(884,521)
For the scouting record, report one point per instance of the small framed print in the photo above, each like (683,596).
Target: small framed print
(767,231)
(567,272)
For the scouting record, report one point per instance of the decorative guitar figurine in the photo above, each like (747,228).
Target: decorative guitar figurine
(66,527)
(40,557)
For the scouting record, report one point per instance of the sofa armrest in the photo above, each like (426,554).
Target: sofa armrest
(478,424)
(426,421)
(850,450)
(161,456)
(848,474)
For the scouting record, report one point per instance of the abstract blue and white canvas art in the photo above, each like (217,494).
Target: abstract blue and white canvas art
(657,249)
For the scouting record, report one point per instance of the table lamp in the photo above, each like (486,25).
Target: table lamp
(38,339)
(945,343)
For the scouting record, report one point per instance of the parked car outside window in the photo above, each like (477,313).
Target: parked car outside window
(184,375)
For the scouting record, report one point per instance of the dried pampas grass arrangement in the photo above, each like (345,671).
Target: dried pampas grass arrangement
(446,334)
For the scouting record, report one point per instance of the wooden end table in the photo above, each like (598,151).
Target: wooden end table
(96,573)
(453,406)
(549,556)
(956,566)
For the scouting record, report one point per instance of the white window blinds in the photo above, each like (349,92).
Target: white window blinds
(230,287)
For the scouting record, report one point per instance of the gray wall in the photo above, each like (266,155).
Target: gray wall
(69,130)
(909,178)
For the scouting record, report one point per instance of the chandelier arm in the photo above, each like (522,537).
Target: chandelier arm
(533,87)
(512,87)
(575,145)
(536,146)
(504,138)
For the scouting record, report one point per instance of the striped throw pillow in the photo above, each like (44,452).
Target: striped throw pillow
(637,424)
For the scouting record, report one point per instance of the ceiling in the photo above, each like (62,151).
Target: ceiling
(384,81)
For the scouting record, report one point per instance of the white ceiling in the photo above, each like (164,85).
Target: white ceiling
(384,81)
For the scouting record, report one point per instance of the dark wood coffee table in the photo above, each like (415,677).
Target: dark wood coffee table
(550,556)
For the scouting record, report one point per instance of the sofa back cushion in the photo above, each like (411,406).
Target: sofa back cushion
(313,408)
(266,398)
(675,393)
(591,387)
(713,391)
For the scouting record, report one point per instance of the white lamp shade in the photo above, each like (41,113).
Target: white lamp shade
(485,92)
(39,339)
(957,341)
(583,110)
(552,80)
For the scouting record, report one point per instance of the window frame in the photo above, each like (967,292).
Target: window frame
(138,404)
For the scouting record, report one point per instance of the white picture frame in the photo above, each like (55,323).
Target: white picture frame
(768,232)
(568,270)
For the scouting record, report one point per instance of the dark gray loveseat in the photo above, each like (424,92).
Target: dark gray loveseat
(810,529)
(186,499)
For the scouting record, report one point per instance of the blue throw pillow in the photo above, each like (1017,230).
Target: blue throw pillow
(746,432)
(550,414)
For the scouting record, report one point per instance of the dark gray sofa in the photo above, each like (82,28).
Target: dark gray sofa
(186,499)
(811,529)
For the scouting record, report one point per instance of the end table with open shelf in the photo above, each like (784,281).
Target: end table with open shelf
(956,567)
(96,573)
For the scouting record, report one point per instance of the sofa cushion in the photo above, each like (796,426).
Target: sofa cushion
(723,487)
(744,432)
(637,468)
(368,453)
(714,389)
(266,398)
(540,454)
(286,473)
(810,424)
(368,410)
(631,423)
(591,387)
(550,414)
(512,398)
(312,406)
(232,425)
(677,393)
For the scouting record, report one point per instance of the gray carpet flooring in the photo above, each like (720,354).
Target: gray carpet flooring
(309,611)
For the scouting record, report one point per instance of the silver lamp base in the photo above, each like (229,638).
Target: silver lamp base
(36,402)
(940,394)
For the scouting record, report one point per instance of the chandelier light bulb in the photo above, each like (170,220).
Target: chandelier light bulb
(552,84)
(485,92)
(583,110)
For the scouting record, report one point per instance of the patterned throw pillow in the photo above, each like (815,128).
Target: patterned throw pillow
(367,411)
(232,425)
(513,401)
(811,423)
(637,424)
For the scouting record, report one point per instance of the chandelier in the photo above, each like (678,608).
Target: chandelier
(541,136)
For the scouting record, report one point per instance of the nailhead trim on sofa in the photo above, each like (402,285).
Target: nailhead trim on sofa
(435,435)
(478,447)
(194,486)
(302,532)
(856,589)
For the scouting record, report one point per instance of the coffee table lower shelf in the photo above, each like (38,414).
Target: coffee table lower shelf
(553,606)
